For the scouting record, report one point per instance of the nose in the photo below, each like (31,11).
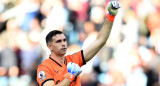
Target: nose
(63,43)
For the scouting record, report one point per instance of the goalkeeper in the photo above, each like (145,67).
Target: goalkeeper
(61,70)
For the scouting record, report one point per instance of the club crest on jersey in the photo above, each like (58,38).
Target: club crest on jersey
(41,75)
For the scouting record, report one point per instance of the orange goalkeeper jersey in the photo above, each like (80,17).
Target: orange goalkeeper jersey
(50,69)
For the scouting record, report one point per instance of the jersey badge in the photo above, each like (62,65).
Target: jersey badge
(41,75)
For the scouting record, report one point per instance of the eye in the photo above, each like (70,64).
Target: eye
(58,41)
(64,40)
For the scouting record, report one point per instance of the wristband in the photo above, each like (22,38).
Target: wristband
(110,17)
(69,76)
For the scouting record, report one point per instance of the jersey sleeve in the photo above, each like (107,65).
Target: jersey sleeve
(44,75)
(78,58)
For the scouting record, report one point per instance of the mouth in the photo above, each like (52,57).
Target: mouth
(64,49)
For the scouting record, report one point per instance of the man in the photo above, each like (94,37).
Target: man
(61,70)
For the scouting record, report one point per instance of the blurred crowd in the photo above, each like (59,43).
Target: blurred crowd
(131,56)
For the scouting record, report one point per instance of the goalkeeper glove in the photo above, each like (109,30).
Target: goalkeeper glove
(73,71)
(112,7)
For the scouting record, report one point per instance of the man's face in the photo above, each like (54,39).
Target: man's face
(59,44)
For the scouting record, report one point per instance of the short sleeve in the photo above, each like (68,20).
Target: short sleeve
(78,58)
(44,75)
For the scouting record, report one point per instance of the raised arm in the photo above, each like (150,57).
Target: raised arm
(104,33)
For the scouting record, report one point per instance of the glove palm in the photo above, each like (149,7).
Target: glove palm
(73,69)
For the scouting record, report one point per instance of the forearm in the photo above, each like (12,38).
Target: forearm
(64,82)
(104,33)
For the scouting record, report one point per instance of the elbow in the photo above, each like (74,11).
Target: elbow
(101,40)
(101,43)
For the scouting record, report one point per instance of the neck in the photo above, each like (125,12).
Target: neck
(58,58)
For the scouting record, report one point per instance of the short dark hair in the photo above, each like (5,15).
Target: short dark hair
(51,34)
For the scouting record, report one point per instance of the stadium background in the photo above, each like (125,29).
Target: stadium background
(131,56)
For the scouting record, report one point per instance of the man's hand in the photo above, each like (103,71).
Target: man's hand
(113,7)
(73,71)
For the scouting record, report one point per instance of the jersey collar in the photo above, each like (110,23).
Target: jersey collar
(65,61)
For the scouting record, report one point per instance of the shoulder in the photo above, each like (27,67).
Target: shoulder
(77,58)
(45,64)
(75,53)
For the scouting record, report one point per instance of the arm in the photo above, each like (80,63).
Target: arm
(100,41)
(64,82)
(73,71)
(104,33)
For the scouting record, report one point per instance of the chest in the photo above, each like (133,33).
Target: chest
(59,72)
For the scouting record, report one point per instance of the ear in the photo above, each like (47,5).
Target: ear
(49,46)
